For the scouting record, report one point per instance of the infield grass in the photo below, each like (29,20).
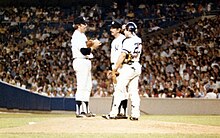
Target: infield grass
(193,119)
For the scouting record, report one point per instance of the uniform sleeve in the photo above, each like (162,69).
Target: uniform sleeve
(126,46)
(85,51)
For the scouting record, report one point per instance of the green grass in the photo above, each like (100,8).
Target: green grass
(194,119)
(19,119)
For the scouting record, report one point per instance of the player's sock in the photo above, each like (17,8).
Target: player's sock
(88,112)
(112,101)
(124,105)
(78,105)
(119,108)
(87,107)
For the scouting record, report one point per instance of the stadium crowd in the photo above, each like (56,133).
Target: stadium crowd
(36,52)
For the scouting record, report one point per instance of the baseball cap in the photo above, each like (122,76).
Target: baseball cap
(115,24)
(80,20)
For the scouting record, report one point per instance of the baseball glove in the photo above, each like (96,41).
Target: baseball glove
(89,43)
(128,58)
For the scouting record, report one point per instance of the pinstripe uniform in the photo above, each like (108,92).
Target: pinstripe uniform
(129,72)
(82,67)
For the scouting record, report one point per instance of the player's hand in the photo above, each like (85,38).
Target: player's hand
(114,74)
(109,74)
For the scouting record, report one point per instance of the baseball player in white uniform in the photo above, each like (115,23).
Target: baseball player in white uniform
(82,66)
(116,47)
(130,70)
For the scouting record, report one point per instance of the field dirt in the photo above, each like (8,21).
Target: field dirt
(100,125)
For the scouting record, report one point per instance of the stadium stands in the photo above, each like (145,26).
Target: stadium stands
(35,48)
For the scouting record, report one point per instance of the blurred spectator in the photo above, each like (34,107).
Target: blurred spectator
(210,94)
(35,48)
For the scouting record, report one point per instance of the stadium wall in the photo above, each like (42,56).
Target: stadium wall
(166,106)
(12,97)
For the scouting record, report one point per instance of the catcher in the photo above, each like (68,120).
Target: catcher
(130,71)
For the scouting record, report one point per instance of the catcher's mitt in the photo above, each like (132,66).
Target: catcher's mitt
(128,58)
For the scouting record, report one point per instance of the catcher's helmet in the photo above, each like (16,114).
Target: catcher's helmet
(131,26)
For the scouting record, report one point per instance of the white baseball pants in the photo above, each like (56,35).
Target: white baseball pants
(129,76)
(82,68)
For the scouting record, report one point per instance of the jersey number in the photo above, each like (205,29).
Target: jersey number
(136,50)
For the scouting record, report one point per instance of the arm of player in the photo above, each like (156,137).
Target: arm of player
(118,64)
(91,44)
(85,51)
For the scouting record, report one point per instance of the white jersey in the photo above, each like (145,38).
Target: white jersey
(116,47)
(78,41)
(133,46)
(129,76)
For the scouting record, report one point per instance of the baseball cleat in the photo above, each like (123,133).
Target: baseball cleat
(108,117)
(90,114)
(133,118)
(80,116)
(121,116)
